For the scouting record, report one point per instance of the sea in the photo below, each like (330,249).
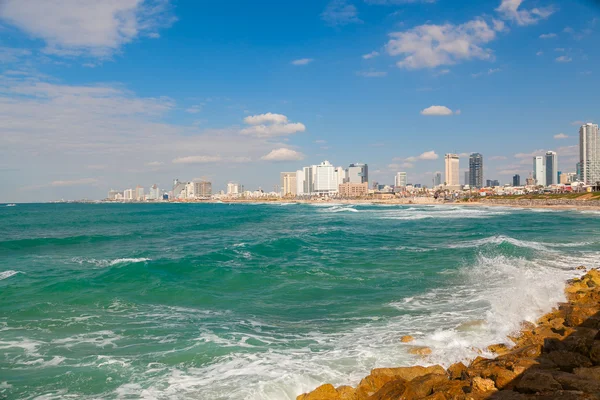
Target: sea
(265,301)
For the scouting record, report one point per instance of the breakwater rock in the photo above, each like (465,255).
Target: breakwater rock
(549,202)
(557,358)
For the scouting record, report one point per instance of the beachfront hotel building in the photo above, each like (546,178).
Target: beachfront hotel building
(324,179)
(352,190)
(288,184)
(452,170)
(357,173)
(539,172)
(202,189)
(401,180)
(475,171)
(551,168)
(589,153)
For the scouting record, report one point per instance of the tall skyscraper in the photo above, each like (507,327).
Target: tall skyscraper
(233,188)
(357,173)
(139,193)
(325,180)
(202,188)
(589,153)
(452,170)
(539,173)
(288,184)
(466,177)
(517,180)
(476,170)
(551,168)
(437,179)
(401,179)
(300,182)
(154,193)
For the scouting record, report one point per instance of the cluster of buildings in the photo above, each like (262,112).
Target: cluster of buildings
(327,180)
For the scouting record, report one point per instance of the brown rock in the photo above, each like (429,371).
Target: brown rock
(324,392)
(595,352)
(407,339)
(498,349)
(574,382)
(482,385)
(567,361)
(380,376)
(456,371)
(391,390)
(436,396)
(502,377)
(579,314)
(581,268)
(524,364)
(537,382)
(592,373)
(424,386)
(420,351)
(508,395)
(454,389)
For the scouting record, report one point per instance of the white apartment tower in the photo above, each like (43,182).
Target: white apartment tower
(589,153)
(325,178)
(539,171)
(401,180)
(452,170)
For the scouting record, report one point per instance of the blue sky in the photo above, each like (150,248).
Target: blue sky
(112,94)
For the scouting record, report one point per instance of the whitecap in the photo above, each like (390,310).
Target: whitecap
(8,274)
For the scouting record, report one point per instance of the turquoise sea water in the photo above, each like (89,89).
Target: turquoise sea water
(264,301)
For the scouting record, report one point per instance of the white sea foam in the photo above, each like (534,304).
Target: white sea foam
(109,263)
(100,339)
(497,240)
(8,274)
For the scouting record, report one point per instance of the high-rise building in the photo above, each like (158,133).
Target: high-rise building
(466,177)
(437,179)
(539,173)
(300,182)
(139,193)
(202,188)
(492,183)
(113,194)
(551,168)
(289,186)
(401,180)
(129,194)
(589,153)
(154,193)
(357,173)
(179,189)
(452,170)
(325,180)
(517,180)
(476,170)
(234,189)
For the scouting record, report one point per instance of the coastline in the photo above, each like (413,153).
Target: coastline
(557,358)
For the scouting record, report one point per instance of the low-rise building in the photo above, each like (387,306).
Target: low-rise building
(353,189)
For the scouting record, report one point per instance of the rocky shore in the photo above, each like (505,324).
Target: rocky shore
(557,358)
(549,202)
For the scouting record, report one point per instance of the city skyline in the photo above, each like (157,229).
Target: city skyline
(92,105)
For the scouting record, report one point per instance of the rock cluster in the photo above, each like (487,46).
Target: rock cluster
(557,358)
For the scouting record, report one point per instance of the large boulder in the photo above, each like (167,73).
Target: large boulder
(323,392)
(537,382)
(482,385)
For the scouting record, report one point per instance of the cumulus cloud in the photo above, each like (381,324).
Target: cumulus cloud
(302,61)
(370,55)
(87,27)
(530,155)
(195,109)
(270,125)
(429,46)
(283,154)
(154,163)
(511,10)
(564,59)
(548,36)
(497,158)
(437,111)
(427,156)
(490,71)
(196,159)
(561,136)
(339,12)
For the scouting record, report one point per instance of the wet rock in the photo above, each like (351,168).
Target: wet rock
(502,377)
(420,351)
(498,349)
(537,382)
(482,385)
(456,371)
(380,376)
(407,339)
(574,382)
(592,373)
(595,352)
(424,386)
(324,392)
(391,390)
(524,364)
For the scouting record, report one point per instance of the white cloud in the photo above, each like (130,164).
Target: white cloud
(283,154)
(76,182)
(195,109)
(548,36)
(437,111)
(561,136)
(539,53)
(339,12)
(497,158)
(154,163)
(86,27)
(510,10)
(196,159)
(302,61)
(10,54)
(529,155)
(370,55)
(270,125)
(427,156)
(568,151)
(564,59)
(442,72)
(430,46)
(321,141)
(372,74)
(490,71)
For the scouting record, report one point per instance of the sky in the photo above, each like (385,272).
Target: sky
(108,94)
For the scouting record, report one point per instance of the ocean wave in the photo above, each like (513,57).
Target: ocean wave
(437,212)
(109,263)
(8,274)
(501,239)
(336,209)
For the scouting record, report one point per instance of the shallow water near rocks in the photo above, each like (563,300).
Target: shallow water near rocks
(261,301)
